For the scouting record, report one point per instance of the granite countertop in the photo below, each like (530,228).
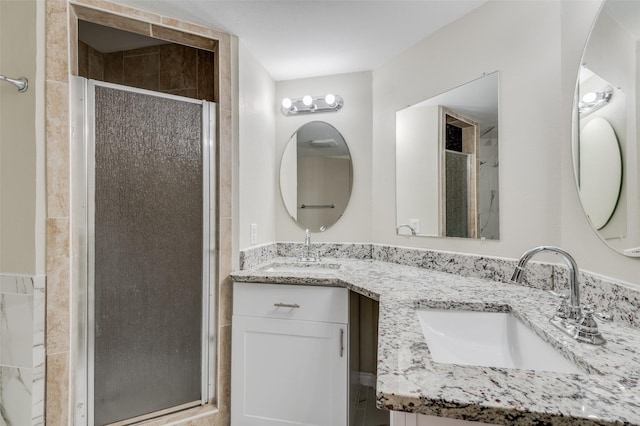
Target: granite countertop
(409,380)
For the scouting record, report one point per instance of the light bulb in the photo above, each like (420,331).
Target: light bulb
(307,100)
(330,99)
(589,97)
(286,103)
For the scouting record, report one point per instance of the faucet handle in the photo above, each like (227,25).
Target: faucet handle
(602,316)
(587,330)
(562,311)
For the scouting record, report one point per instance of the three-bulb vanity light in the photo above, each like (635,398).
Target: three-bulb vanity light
(310,104)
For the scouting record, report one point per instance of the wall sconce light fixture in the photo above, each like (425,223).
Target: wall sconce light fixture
(593,101)
(311,104)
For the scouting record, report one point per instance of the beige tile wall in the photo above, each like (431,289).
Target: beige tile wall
(61,54)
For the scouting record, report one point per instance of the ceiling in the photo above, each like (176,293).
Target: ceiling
(306,38)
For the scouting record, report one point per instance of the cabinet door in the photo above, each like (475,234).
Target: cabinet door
(288,372)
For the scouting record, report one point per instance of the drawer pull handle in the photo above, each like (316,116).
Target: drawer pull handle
(341,342)
(286,305)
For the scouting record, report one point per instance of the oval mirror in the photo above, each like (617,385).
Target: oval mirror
(605,143)
(316,176)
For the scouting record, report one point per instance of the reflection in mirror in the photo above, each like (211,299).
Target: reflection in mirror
(605,146)
(600,171)
(316,176)
(447,163)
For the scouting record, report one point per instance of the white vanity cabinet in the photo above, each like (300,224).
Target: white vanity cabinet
(289,355)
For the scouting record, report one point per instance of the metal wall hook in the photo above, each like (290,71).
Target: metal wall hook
(21,83)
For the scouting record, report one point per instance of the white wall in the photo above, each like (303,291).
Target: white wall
(257,171)
(354,123)
(289,177)
(521,41)
(418,183)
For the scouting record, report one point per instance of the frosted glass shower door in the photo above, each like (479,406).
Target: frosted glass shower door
(457,194)
(150,254)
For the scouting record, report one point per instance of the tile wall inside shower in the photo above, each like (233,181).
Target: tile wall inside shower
(168,68)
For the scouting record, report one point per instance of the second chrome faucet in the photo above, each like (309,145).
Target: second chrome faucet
(571,317)
(307,253)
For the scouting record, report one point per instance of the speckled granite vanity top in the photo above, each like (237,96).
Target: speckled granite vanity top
(409,380)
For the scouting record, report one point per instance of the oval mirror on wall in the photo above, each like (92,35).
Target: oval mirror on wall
(316,176)
(605,144)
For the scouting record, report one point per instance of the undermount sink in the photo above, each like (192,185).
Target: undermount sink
(488,339)
(313,267)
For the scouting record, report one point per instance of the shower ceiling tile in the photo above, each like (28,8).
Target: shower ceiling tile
(142,71)
(178,67)
(114,67)
(206,71)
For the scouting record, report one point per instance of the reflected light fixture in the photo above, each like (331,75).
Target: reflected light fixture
(307,100)
(311,104)
(593,101)
(286,103)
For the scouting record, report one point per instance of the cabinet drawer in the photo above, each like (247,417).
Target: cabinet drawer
(306,303)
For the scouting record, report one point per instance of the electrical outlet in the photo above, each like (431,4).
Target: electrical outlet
(415,224)
(254,233)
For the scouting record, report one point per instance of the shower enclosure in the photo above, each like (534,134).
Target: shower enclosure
(144,228)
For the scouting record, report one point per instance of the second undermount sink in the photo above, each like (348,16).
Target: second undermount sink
(488,339)
(311,267)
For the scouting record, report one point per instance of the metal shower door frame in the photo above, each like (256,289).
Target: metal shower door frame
(82,256)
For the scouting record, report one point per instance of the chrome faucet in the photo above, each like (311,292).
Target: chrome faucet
(574,292)
(571,318)
(404,225)
(307,254)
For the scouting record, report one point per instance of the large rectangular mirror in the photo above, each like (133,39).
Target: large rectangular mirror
(447,163)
